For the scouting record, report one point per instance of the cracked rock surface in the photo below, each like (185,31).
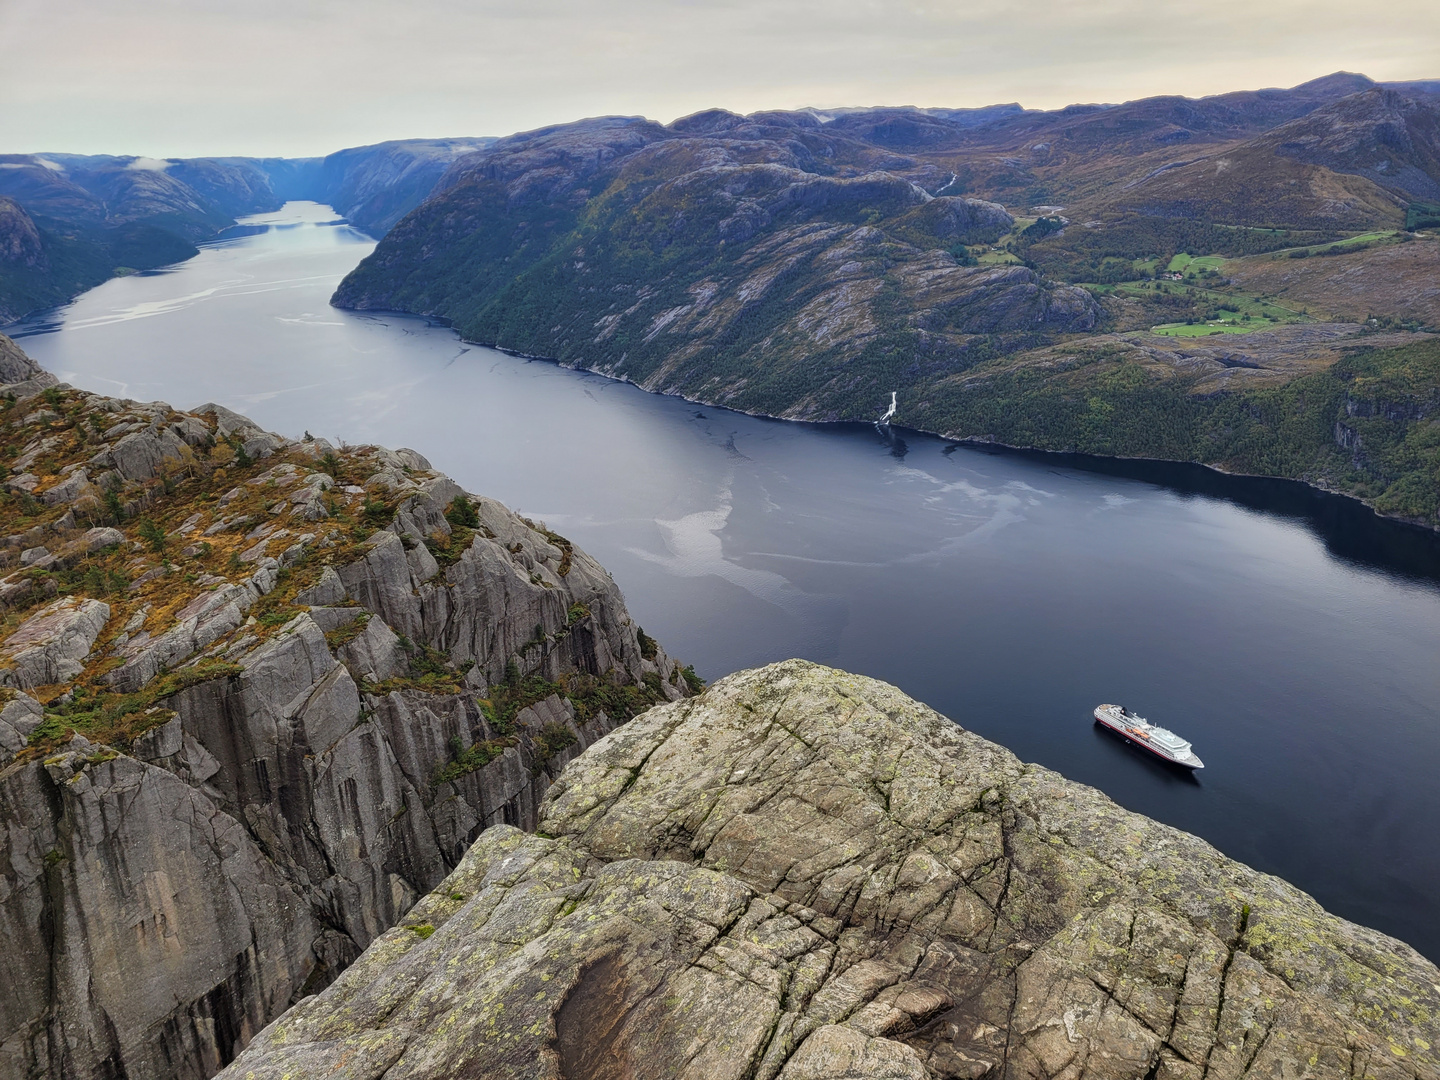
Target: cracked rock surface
(244,729)
(50,646)
(804,874)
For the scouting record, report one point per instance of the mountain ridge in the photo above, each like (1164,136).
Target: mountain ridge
(781,264)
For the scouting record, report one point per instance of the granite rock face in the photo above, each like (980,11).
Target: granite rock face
(15,365)
(804,874)
(225,779)
(49,647)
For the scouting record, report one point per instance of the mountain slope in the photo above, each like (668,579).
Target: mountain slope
(45,262)
(373,187)
(808,265)
(765,263)
(256,697)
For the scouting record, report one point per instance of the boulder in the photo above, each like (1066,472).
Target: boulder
(75,486)
(35,556)
(142,455)
(228,423)
(19,716)
(101,538)
(49,646)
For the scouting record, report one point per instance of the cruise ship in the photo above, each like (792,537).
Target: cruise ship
(1136,729)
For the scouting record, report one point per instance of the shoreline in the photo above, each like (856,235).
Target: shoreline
(960,440)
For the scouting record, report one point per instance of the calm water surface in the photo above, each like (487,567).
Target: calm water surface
(1293,638)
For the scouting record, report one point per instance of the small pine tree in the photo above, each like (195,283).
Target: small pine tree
(152,534)
(461,513)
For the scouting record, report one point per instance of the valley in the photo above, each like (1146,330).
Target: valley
(316,761)
(70,221)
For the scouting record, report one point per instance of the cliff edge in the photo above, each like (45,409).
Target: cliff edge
(257,696)
(805,874)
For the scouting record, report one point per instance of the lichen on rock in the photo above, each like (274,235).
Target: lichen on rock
(241,731)
(805,875)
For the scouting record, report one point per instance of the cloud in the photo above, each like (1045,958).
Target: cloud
(309,76)
(148,164)
(44,163)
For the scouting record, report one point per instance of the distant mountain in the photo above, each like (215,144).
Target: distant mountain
(995,268)
(1350,164)
(85,218)
(1419,86)
(373,187)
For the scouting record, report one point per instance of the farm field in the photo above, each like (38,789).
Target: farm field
(1205,329)
(1194,264)
(1227,312)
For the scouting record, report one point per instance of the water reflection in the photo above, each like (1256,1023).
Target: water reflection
(1351,531)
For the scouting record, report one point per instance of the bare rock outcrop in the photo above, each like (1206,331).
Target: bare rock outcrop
(804,874)
(15,365)
(51,646)
(20,715)
(253,713)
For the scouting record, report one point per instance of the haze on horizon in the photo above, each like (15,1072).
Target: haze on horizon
(183,78)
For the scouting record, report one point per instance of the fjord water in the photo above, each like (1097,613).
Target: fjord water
(1293,637)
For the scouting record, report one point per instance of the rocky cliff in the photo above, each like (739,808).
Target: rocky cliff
(804,874)
(259,696)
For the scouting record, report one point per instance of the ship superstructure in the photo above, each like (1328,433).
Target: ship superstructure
(1139,731)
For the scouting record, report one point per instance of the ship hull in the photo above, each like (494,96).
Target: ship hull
(1134,740)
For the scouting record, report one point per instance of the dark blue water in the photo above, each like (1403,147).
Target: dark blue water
(1293,637)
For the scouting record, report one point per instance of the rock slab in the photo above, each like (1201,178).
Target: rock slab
(804,874)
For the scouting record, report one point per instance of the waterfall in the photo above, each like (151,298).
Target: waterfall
(885,420)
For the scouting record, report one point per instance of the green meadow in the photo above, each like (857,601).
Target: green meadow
(1205,329)
(1194,264)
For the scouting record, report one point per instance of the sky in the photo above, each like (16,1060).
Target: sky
(181,78)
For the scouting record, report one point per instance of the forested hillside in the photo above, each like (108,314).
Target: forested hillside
(1063,280)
